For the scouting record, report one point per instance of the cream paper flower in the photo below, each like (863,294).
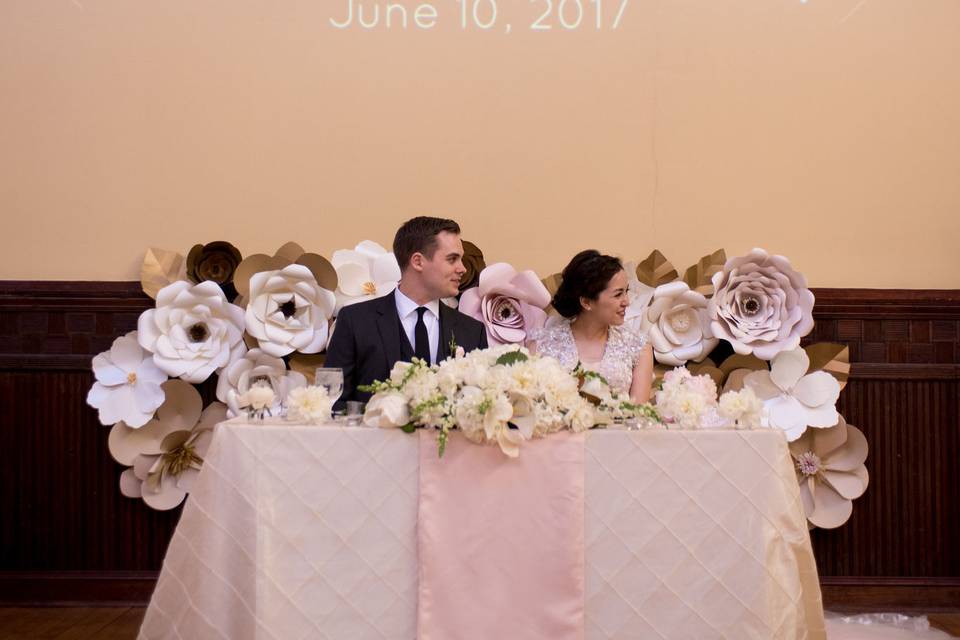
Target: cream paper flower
(193,331)
(236,379)
(830,470)
(760,305)
(368,271)
(795,401)
(127,386)
(288,311)
(678,325)
(167,453)
(639,295)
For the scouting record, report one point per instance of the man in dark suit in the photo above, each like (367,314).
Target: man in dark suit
(370,337)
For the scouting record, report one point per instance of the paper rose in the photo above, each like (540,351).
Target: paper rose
(235,379)
(795,401)
(368,271)
(127,386)
(760,305)
(831,473)
(473,262)
(167,453)
(288,311)
(290,253)
(214,261)
(677,324)
(509,303)
(193,331)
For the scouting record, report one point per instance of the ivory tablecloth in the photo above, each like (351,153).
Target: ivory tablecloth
(311,532)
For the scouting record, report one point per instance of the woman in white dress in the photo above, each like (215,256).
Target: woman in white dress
(592,300)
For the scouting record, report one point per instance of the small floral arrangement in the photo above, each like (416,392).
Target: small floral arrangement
(690,402)
(309,404)
(257,400)
(613,407)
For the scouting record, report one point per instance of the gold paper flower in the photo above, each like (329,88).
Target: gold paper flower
(474,264)
(166,453)
(215,261)
(830,470)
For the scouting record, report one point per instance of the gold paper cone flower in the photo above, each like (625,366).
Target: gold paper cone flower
(831,473)
(166,454)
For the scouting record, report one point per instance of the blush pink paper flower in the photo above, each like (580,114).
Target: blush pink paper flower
(508,302)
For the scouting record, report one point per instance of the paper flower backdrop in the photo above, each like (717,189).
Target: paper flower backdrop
(509,303)
(285,311)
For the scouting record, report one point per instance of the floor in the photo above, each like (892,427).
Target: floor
(121,623)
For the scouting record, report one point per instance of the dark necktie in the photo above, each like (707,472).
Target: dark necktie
(422,341)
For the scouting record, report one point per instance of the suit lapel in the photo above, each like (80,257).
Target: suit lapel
(388,324)
(448,320)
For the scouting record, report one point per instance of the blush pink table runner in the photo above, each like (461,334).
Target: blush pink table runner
(517,523)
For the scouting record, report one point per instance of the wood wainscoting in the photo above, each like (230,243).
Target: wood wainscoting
(68,536)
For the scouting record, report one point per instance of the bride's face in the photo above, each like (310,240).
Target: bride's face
(611,305)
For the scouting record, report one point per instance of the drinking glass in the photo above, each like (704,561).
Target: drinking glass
(332,380)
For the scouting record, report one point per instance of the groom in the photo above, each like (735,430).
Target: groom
(370,337)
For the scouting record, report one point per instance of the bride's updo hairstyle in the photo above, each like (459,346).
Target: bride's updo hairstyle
(587,275)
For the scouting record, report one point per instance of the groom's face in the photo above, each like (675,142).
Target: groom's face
(442,272)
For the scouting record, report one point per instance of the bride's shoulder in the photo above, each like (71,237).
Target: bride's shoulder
(552,336)
(630,338)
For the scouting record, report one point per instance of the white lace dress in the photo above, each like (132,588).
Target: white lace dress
(620,355)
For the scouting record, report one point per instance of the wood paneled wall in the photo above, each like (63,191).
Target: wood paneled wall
(67,535)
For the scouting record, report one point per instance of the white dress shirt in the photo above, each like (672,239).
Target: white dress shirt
(407,311)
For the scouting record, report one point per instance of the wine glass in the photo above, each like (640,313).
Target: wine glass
(330,379)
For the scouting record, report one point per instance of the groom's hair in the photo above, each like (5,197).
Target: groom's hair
(419,235)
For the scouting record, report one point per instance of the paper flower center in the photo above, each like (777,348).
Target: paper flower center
(751,306)
(181,459)
(288,308)
(680,322)
(198,332)
(369,289)
(506,312)
(808,463)
(132,377)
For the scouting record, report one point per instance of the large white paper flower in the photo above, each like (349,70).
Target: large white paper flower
(795,401)
(288,311)
(678,325)
(128,383)
(365,272)
(760,305)
(193,331)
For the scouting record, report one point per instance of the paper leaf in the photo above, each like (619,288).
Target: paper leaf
(552,283)
(707,367)
(321,269)
(160,268)
(656,270)
(307,364)
(699,277)
(830,357)
(737,361)
(291,251)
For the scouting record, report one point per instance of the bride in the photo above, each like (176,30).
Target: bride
(592,300)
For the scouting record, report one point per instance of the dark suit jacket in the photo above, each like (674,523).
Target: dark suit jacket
(368,340)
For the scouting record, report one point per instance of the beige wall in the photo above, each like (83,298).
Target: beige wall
(828,131)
